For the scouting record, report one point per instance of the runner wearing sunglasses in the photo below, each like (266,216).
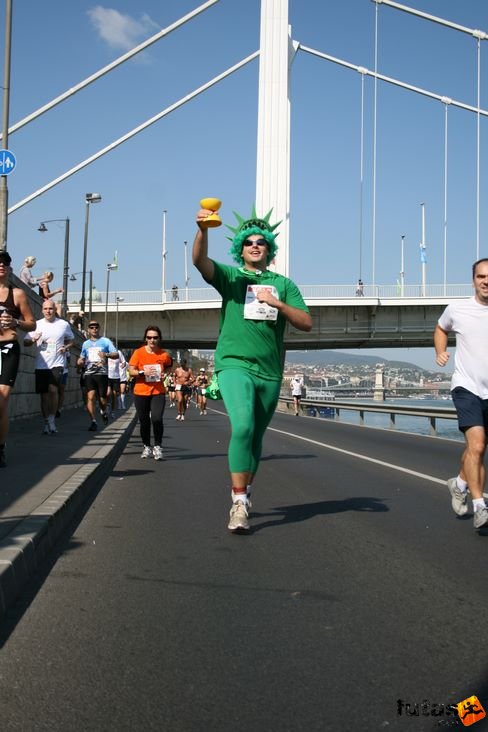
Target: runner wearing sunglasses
(257,303)
(149,365)
(93,359)
(15,316)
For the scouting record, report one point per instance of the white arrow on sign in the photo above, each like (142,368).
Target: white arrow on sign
(7,162)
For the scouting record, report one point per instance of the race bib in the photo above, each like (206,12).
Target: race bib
(51,347)
(152,372)
(255,310)
(93,355)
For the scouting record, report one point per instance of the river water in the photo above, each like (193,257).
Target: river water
(405,423)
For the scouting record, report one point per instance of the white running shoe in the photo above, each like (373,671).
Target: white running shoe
(46,429)
(158,452)
(238,520)
(147,452)
(459,500)
(480,518)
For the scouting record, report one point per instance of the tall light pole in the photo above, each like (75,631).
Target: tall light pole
(90,286)
(110,267)
(187,279)
(423,253)
(89,198)
(117,300)
(163,271)
(402,267)
(43,227)
(5,119)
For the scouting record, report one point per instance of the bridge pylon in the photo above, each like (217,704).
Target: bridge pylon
(379,383)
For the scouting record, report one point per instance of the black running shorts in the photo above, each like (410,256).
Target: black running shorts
(9,362)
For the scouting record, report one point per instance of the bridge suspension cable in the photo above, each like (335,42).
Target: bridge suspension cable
(106,69)
(134,132)
(446,107)
(375,117)
(479,35)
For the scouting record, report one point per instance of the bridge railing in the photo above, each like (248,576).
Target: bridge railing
(332,408)
(385,291)
(310,292)
(150,297)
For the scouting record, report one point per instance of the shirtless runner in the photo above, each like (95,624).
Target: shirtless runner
(184,380)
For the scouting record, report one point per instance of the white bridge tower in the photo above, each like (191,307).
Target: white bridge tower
(273,146)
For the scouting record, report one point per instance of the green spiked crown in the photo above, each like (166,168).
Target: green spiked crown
(253,225)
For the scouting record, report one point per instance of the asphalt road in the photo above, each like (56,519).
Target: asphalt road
(357,587)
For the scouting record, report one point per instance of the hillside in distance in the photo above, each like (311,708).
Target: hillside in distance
(332,358)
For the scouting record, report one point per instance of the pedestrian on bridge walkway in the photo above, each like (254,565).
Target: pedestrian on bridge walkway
(468,319)
(256,305)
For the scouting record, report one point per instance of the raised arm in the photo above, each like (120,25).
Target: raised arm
(200,249)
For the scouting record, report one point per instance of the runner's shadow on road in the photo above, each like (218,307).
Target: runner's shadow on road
(194,455)
(280,456)
(305,511)
(128,473)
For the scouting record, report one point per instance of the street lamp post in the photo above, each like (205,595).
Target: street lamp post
(90,285)
(110,267)
(43,227)
(187,279)
(117,300)
(423,253)
(402,267)
(163,270)
(5,122)
(89,198)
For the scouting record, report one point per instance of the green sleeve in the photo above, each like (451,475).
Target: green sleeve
(294,297)
(223,276)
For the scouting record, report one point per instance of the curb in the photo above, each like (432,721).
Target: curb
(22,551)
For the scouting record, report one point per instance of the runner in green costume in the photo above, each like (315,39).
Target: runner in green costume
(256,305)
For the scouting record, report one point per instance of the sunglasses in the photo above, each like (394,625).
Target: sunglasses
(94,325)
(259,242)
(152,338)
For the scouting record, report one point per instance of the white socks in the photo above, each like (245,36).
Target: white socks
(242,497)
(461,484)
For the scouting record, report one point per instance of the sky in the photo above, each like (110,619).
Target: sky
(208,146)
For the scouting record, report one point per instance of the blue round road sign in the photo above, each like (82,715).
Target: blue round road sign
(7,162)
